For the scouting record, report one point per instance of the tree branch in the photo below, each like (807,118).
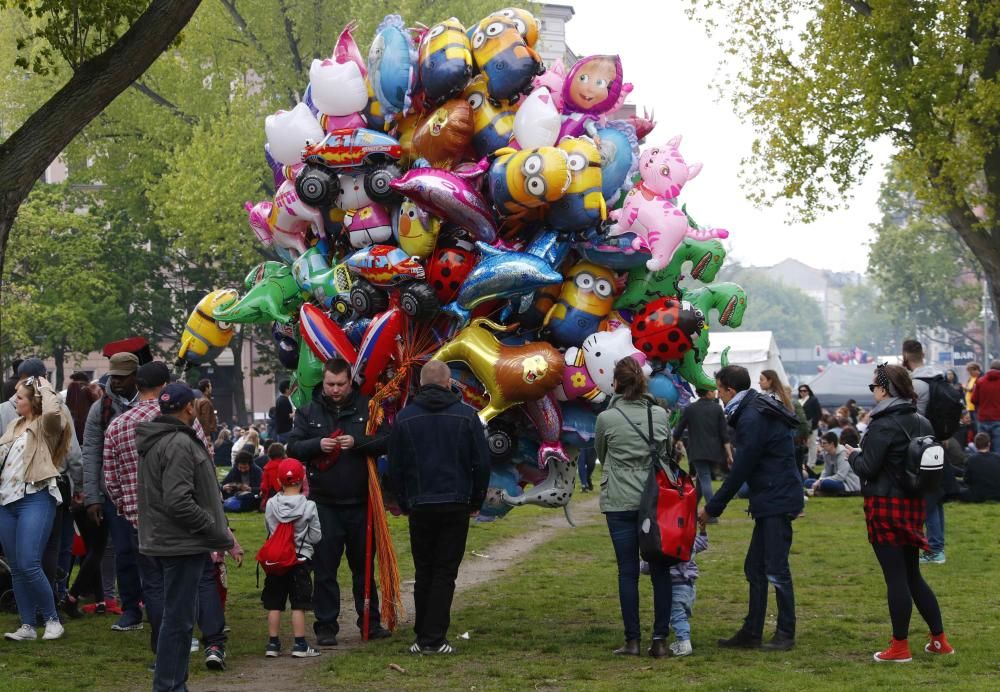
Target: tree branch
(293,44)
(162,101)
(861,7)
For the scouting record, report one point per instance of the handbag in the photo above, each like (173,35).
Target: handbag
(667,508)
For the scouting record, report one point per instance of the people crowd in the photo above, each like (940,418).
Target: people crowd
(131,460)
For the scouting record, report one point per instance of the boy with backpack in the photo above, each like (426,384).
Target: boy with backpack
(293,531)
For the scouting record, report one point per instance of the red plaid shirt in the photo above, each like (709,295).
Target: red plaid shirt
(896,521)
(121,456)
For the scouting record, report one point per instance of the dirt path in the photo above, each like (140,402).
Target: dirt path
(250,675)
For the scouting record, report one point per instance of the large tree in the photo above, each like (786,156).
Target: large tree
(824,80)
(794,317)
(101,46)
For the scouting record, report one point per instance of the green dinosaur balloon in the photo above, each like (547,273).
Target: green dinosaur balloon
(705,256)
(307,375)
(730,301)
(272,295)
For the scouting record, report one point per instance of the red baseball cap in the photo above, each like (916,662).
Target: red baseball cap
(291,471)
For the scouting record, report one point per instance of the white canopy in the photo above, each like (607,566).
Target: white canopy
(755,351)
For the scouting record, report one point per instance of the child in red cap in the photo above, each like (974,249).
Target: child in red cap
(294,586)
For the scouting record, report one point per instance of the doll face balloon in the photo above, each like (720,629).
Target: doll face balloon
(338,88)
(288,131)
(443,136)
(593,85)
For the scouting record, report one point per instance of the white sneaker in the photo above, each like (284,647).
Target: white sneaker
(681,648)
(195,644)
(53,630)
(24,633)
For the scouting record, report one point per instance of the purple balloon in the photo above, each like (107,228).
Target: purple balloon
(450,198)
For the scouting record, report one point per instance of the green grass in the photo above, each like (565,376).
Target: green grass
(551,621)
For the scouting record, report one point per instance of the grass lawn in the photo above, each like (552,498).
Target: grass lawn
(552,620)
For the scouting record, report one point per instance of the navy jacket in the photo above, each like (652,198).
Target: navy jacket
(764,458)
(438,452)
(346,481)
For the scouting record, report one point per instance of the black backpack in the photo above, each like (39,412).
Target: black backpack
(945,405)
(923,466)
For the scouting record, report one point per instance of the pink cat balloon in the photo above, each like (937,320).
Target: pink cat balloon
(648,211)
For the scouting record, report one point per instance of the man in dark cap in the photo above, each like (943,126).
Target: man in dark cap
(180,523)
(119,397)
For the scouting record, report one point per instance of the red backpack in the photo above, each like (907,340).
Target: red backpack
(277,556)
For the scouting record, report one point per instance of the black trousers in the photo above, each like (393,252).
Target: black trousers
(344,530)
(437,541)
(767,563)
(905,587)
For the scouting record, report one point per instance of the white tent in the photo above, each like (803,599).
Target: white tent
(755,351)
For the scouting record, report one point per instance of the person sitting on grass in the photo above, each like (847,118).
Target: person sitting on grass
(242,483)
(837,478)
(295,586)
(982,473)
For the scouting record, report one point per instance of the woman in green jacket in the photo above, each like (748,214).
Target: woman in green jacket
(622,445)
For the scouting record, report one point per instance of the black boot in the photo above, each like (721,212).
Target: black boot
(659,648)
(781,641)
(741,640)
(631,648)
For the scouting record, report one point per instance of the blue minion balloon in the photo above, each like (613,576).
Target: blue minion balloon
(492,125)
(445,60)
(528,179)
(585,301)
(582,206)
(503,56)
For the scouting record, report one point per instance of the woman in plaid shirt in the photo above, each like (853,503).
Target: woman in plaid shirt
(894,519)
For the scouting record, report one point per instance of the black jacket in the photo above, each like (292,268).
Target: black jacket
(438,452)
(884,448)
(813,411)
(253,477)
(346,481)
(283,415)
(707,431)
(982,476)
(764,458)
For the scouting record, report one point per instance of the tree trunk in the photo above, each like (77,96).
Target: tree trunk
(28,152)
(239,391)
(59,355)
(985,245)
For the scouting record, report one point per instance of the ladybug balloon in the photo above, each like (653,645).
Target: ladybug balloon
(666,328)
(450,264)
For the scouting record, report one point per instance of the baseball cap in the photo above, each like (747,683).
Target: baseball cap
(174,397)
(152,375)
(291,471)
(123,364)
(31,367)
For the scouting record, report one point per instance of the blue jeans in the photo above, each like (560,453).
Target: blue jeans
(25,526)
(991,428)
(126,563)
(179,577)
(585,463)
(210,616)
(65,557)
(826,485)
(682,600)
(767,563)
(934,524)
(624,530)
(702,470)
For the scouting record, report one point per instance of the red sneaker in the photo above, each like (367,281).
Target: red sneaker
(898,652)
(939,645)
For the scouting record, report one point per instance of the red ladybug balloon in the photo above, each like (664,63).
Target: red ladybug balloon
(450,264)
(666,328)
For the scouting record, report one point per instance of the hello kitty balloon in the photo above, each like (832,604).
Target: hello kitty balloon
(589,370)
(288,131)
(366,223)
(339,92)
(537,122)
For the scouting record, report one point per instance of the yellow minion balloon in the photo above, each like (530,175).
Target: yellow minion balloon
(492,125)
(204,338)
(584,304)
(445,59)
(583,205)
(527,179)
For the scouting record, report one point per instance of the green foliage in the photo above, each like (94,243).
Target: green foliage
(870,325)
(795,318)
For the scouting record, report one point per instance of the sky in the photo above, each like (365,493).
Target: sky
(671,62)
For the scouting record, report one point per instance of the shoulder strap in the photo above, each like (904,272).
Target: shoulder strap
(654,452)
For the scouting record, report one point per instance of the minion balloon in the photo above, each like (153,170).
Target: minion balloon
(582,206)
(503,56)
(445,60)
(492,125)
(528,179)
(584,304)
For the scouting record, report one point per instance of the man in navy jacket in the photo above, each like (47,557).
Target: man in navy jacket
(439,465)
(763,435)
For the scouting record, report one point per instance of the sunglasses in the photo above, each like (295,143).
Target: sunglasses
(871,387)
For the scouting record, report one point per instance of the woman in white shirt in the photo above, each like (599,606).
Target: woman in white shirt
(32,451)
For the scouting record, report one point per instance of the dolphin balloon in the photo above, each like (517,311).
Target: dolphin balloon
(449,197)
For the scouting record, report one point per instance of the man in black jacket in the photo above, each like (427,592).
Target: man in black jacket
(439,464)
(707,440)
(763,435)
(330,437)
